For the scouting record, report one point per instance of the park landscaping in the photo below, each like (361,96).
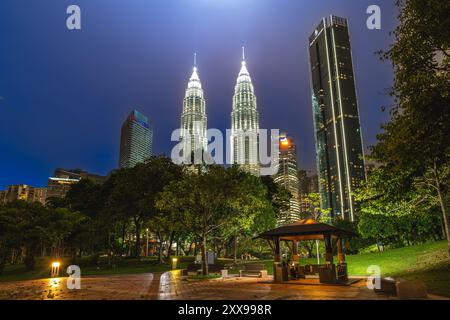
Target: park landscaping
(427,262)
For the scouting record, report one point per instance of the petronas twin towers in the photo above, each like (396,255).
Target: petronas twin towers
(244,122)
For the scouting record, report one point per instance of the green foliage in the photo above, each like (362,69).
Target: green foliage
(216,201)
(405,201)
(392,211)
(25,225)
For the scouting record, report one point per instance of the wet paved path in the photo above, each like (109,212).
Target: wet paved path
(171,285)
(113,287)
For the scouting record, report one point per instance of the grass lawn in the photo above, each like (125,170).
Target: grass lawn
(427,262)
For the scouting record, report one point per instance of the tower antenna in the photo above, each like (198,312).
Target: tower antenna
(243,53)
(195,59)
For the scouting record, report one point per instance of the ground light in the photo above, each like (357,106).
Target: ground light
(174,263)
(55,269)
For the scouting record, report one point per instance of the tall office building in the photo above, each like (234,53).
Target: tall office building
(136,140)
(287,176)
(337,127)
(194,121)
(245,123)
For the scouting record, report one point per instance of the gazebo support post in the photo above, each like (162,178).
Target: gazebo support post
(295,257)
(341,254)
(277,270)
(277,254)
(328,249)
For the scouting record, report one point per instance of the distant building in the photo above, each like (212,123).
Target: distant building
(23,192)
(63,179)
(339,149)
(288,178)
(136,141)
(194,121)
(245,124)
(38,195)
(18,192)
(308,184)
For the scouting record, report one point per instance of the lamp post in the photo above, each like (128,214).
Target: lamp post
(146,248)
(317,241)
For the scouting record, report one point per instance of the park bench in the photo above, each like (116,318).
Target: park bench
(192,270)
(251,269)
(311,269)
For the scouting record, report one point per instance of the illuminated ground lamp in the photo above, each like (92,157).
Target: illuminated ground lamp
(55,269)
(174,263)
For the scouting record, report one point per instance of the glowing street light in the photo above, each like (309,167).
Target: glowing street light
(55,269)
(174,263)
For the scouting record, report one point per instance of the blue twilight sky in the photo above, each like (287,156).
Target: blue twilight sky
(66,93)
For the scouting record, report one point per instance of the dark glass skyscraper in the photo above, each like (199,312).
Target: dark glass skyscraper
(136,140)
(339,148)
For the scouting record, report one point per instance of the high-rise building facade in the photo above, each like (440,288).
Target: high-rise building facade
(136,140)
(339,149)
(287,176)
(194,137)
(245,124)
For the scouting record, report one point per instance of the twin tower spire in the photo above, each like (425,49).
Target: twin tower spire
(244,121)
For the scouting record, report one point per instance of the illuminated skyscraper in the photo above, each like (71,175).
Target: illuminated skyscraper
(245,123)
(339,148)
(287,177)
(194,121)
(136,140)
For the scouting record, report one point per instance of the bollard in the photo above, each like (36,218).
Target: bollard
(55,269)
(174,263)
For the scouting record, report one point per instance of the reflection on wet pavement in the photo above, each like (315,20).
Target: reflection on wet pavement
(171,285)
(117,287)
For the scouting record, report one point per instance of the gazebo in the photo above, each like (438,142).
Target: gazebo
(310,229)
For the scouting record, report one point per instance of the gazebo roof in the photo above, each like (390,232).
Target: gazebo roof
(306,230)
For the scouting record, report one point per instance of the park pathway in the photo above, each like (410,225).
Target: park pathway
(172,286)
(107,287)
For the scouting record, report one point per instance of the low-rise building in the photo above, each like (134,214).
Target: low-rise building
(63,179)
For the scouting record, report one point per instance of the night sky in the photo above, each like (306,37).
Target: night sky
(66,93)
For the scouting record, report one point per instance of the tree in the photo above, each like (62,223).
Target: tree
(212,200)
(418,135)
(392,210)
(279,197)
(9,233)
(135,191)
